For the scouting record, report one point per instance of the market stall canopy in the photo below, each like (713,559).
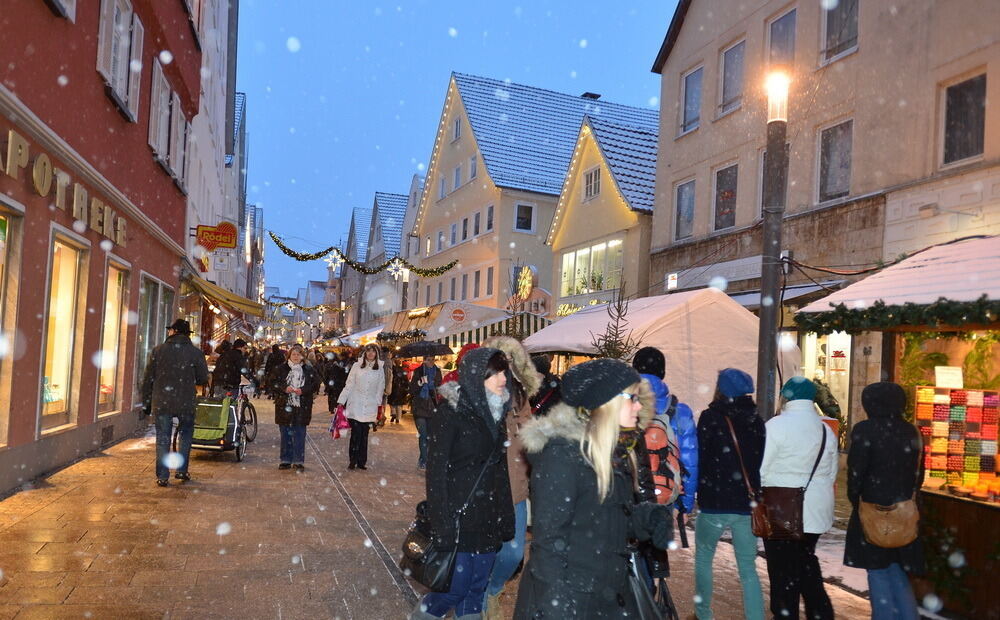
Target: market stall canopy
(364,337)
(951,284)
(524,323)
(226,298)
(699,332)
(445,319)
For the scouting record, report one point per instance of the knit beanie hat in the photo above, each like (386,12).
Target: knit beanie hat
(799,388)
(734,383)
(591,384)
(650,361)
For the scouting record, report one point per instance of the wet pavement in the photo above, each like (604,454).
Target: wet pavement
(98,539)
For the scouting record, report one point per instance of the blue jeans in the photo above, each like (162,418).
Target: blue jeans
(293,443)
(708,528)
(468,583)
(511,553)
(164,432)
(422,438)
(891,595)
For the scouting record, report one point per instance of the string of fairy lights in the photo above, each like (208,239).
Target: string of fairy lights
(397,266)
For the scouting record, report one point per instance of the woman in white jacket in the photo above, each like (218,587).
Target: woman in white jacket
(362,396)
(793,442)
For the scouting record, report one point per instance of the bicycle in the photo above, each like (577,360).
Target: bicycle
(246,411)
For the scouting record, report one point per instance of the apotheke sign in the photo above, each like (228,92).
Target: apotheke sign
(91,210)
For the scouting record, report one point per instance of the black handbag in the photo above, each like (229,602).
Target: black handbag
(424,560)
(646,606)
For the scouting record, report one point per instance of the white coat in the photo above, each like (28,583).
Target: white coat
(792,443)
(363,392)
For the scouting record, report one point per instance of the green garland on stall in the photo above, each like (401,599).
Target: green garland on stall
(398,261)
(410,334)
(290,305)
(879,316)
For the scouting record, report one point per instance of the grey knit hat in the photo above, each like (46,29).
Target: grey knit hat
(591,384)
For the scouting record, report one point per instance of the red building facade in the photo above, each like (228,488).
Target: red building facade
(96,99)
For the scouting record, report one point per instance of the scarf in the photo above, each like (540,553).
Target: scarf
(497,403)
(427,389)
(296,379)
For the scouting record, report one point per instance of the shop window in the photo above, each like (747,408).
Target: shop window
(4,232)
(827,359)
(781,40)
(840,29)
(112,339)
(524,218)
(732,78)
(835,161)
(684,224)
(591,269)
(489,281)
(156,311)
(62,336)
(965,119)
(566,287)
(592,184)
(691,98)
(613,270)
(725,197)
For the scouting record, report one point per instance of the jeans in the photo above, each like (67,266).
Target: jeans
(468,583)
(421,424)
(164,430)
(891,595)
(358,448)
(708,529)
(512,552)
(794,570)
(293,443)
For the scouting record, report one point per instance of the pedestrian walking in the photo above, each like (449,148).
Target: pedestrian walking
(274,358)
(797,442)
(583,498)
(400,391)
(730,452)
(229,368)
(424,383)
(883,468)
(174,369)
(362,396)
(467,478)
(335,378)
(293,385)
(548,395)
(523,383)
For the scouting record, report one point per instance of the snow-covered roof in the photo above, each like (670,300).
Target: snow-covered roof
(361,223)
(526,135)
(391,211)
(630,153)
(958,271)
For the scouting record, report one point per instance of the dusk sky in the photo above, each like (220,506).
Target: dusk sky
(343,98)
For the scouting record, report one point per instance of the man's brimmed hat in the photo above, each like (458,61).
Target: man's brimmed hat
(180,326)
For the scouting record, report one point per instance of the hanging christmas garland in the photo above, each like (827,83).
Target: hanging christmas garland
(289,305)
(410,334)
(395,265)
(879,316)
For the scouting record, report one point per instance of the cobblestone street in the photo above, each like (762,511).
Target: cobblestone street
(244,540)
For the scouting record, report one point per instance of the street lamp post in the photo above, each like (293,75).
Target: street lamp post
(774,208)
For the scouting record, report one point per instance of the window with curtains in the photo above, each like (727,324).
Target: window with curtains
(965,119)
(113,339)
(684,210)
(840,29)
(835,161)
(725,197)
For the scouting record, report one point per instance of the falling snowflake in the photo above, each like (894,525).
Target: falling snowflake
(166,57)
(293,44)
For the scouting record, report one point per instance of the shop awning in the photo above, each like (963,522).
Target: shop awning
(525,323)
(363,337)
(751,299)
(443,320)
(226,298)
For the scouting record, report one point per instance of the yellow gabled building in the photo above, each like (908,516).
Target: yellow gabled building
(600,234)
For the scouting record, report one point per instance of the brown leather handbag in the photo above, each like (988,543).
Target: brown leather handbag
(760,525)
(785,504)
(893,526)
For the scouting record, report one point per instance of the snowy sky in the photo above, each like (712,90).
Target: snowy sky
(344,97)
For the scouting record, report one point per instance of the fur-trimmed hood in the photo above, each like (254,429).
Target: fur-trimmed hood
(450,391)
(566,422)
(520,362)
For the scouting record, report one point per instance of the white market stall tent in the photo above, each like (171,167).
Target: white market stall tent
(700,332)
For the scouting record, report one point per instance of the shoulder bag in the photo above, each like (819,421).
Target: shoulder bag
(425,560)
(759,522)
(785,504)
(893,526)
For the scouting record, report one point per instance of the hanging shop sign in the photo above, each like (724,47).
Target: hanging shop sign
(48,180)
(458,315)
(214,237)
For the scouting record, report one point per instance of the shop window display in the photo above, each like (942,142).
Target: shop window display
(61,334)
(112,337)
(156,309)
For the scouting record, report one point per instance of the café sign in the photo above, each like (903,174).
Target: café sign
(214,237)
(48,180)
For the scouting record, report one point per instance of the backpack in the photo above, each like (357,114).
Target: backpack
(664,458)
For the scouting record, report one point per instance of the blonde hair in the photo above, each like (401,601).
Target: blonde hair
(599,440)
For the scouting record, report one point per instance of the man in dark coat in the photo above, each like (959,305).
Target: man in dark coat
(883,467)
(229,368)
(335,378)
(424,383)
(168,391)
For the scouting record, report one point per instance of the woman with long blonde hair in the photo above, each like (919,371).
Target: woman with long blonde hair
(584,496)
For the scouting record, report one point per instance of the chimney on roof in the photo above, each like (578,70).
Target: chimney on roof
(590,95)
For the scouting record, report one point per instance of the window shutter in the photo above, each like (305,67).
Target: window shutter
(176,149)
(104,36)
(135,68)
(187,155)
(155,96)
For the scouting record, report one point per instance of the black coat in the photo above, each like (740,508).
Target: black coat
(174,369)
(230,366)
(548,395)
(721,488)
(336,378)
(284,413)
(464,440)
(424,407)
(578,566)
(400,386)
(882,468)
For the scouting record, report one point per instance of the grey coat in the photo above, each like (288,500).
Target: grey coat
(174,369)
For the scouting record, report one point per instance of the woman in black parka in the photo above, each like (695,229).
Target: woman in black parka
(883,468)
(467,437)
(293,384)
(583,498)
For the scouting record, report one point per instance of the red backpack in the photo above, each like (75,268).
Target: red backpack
(664,461)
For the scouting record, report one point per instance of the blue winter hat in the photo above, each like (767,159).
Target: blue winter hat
(734,383)
(799,388)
